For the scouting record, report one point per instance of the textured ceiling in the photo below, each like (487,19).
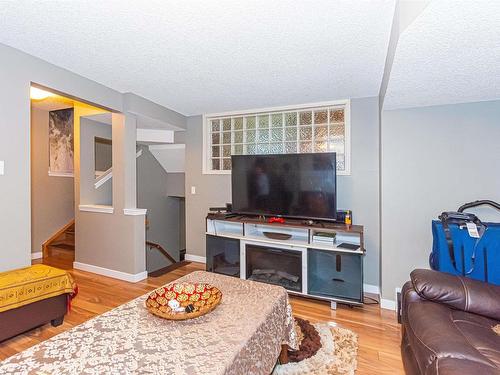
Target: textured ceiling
(207,56)
(449,54)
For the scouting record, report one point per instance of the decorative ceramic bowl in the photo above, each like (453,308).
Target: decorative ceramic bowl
(180,301)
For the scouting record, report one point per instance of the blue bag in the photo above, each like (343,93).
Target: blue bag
(455,251)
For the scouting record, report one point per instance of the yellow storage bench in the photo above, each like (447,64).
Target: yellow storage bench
(33,296)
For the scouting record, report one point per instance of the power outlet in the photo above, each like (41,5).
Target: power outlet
(2,167)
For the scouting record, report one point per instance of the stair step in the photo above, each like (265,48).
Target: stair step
(64,246)
(66,240)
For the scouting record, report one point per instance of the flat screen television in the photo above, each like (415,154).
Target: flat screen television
(290,185)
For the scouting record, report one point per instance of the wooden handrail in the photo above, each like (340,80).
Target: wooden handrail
(162,250)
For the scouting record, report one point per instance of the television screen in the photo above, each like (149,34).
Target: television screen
(290,185)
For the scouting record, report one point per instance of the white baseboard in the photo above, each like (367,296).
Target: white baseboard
(388,304)
(37,255)
(375,289)
(196,258)
(135,211)
(133,278)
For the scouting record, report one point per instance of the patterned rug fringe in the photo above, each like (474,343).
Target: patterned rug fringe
(337,356)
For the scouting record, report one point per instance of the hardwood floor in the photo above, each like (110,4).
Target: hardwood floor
(378,330)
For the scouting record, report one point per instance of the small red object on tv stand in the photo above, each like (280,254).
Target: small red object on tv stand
(277,220)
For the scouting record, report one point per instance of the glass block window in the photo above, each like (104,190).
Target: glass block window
(304,129)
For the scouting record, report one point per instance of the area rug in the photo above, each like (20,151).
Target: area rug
(496,329)
(334,354)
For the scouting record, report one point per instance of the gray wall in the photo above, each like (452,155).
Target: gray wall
(211,190)
(433,159)
(103,154)
(182,221)
(178,189)
(89,129)
(18,71)
(176,184)
(359,192)
(164,213)
(152,113)
(52,198)
(115,241)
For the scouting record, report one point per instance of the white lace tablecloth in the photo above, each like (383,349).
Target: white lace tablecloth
(243,335)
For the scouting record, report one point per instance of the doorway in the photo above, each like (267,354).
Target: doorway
(53,226)
(52,179)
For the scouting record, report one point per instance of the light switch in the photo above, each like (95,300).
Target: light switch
(193,189)
(2,167)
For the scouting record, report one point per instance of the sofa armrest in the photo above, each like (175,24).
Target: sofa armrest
(408,295)
(458,292)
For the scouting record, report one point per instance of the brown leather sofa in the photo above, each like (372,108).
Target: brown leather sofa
(447,325)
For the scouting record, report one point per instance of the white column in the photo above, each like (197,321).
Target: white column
(124,161)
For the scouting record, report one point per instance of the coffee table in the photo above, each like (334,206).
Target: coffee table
(243,335)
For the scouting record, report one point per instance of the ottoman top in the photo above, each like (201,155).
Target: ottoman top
(31,284)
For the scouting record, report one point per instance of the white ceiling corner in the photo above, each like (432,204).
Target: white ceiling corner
(449,54)
(211,56)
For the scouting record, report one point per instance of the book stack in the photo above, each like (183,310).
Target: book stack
(327,238)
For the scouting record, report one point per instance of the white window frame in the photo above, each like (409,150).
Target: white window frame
(347,130)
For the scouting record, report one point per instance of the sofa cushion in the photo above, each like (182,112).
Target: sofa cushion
(454,366)
(446,341)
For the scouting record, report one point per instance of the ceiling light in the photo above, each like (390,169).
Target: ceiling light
(39,94)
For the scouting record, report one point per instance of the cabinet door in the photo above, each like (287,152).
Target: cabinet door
(223,255)
(335,274)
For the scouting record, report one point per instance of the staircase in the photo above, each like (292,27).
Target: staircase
(151,246)
(59,250)
(102,176)
(66,240)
